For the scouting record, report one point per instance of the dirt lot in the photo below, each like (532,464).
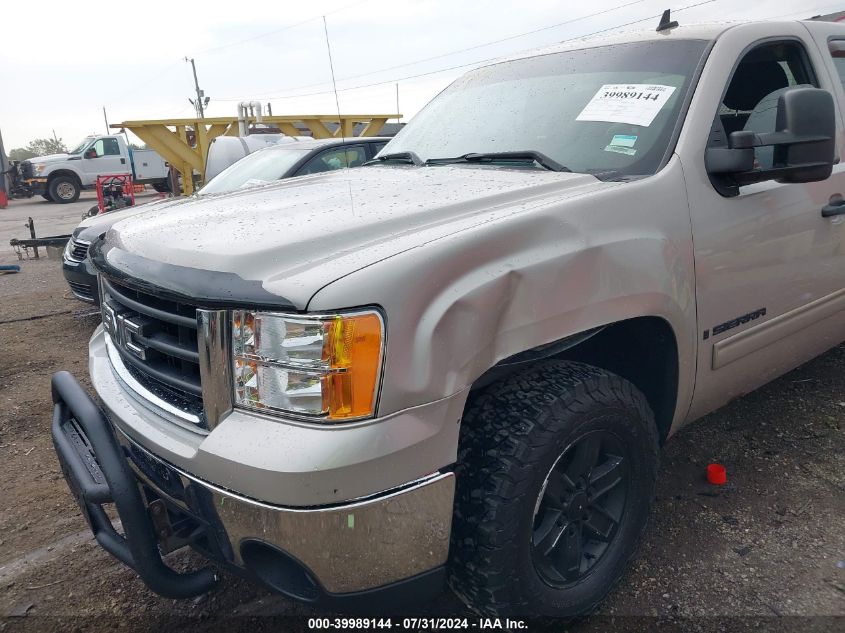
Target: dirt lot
(765,552)
(50,219)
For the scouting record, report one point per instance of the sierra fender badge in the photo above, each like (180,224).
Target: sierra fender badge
(740,320)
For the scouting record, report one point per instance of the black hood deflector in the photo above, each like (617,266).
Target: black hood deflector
(194,286)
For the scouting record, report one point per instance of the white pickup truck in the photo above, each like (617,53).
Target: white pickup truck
(61,177)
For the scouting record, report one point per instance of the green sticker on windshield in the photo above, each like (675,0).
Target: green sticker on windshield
(622,144)
(623,140)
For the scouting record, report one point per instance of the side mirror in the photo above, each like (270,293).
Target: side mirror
(91,153)
(803,145)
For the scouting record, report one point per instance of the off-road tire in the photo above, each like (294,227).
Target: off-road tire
(66,186)
(512,435)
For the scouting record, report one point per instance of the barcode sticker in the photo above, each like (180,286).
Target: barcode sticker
(635,104)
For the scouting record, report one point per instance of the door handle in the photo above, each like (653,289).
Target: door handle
(122,161)
(835,207)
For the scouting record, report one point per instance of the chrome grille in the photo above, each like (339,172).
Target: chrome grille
(157,342)
(77,250)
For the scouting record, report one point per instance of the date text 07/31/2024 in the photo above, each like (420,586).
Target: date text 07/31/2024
(415,624)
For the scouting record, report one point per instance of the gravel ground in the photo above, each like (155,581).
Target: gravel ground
(765,552)
(50,219)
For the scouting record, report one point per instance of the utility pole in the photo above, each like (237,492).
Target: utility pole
(198,104)
(106,119)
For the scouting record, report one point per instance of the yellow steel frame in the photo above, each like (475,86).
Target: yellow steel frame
(170,137)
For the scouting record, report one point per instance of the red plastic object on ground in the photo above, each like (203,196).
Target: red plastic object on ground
(717,475)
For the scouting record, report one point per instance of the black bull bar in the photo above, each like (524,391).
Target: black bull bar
(97,473)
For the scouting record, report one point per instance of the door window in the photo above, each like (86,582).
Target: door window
(377,147)
(751,100)
(106,147)
(111,147)
(335,158)
(837,51)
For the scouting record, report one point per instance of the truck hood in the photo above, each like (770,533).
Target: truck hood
(50,158)
(92,228)
(296,236)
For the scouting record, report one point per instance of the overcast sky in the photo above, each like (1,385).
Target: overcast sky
(63,61)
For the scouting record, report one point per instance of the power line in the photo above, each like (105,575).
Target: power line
(499,41)
(457,52)
(282,29)
(474,63)
(481,61)
(818,9)
(156,77)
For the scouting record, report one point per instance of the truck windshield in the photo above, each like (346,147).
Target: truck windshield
(258,168)
(609,110)
(81,147)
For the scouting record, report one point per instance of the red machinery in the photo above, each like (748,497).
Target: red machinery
(113,192)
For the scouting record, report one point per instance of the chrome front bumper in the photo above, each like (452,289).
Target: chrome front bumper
(347,548)
(392,545)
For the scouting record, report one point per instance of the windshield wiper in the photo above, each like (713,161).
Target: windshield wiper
(489,157)
(405,157)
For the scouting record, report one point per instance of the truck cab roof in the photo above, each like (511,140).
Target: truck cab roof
(708,31)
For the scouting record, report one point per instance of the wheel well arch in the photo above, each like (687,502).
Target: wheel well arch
(642,350)
(65,172)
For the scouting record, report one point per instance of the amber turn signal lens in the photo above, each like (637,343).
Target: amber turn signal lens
(353,350)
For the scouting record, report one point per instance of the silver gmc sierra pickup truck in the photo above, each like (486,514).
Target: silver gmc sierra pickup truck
(458,364)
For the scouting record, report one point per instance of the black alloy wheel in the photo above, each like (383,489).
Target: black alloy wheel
(580,508)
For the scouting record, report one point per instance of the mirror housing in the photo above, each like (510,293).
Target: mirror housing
(90,153)
(804,143)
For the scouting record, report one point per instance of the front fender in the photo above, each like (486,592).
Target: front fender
(63,170)
(458,305)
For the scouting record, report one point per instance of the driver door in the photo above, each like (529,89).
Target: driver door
(107,161)
(770,270)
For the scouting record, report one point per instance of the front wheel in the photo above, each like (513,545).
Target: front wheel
(555,475)
(63,189)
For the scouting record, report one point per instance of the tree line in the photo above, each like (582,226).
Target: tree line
(38,147)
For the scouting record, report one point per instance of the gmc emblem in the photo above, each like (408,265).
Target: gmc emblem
(123,330)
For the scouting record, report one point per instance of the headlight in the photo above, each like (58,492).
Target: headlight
(328,367)
(39,168)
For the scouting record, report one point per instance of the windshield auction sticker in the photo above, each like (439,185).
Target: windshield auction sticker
(635,104)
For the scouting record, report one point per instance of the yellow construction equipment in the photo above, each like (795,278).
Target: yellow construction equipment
(184,142)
